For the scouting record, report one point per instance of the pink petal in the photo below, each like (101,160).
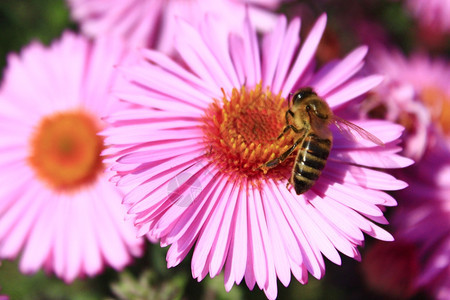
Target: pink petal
(270,287)
(271,48)
(24,209)
(312,258)
(223,240)
(256,247)
(21,176)
(350,197)
(289,46)
(379,157)
(75,208)
(111,245)
(40,239)
(286,232)
(185,232)
(152,100)
(238,258)
(383,130)
(92,259)
(324,82)
(337,214)
(251,52)
(306,54)
(352,89)
(339,241)
(60,246)
(362,177)
(181,90)
(237,53)
(200,58)
(315,236)
(174,68)
(183,195)
(217,40)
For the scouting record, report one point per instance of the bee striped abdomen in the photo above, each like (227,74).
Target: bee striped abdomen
(311,160)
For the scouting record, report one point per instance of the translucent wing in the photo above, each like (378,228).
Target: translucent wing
(349,129)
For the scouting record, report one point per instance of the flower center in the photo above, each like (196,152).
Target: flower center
(65,150)
(241,132)
(439,104)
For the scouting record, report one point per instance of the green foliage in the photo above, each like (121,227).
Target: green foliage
(22,21)
(148,286)
(40,286)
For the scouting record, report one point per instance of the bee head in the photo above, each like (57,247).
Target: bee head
(318,107)
(303,94)
(306,99)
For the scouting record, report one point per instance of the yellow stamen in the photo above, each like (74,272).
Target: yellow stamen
(242,129)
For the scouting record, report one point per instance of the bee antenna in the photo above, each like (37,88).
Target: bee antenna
(289,99)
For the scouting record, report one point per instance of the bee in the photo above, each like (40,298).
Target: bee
(309,118)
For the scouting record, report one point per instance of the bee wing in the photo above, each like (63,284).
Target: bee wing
(348,129)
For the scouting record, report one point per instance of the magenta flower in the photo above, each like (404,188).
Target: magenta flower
(195,147)
(431,13)
(58,207)
(415,93)
(153,22)
(424,219)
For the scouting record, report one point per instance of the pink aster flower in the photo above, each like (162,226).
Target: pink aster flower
(415,93)
(424,219)
(196,145)
(431,13)
(152,22)
(57,207)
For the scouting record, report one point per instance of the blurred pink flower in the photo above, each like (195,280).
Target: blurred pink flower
(195,146)
(414,93)
(424,218)
(57,206)
(153,22)
(431,13)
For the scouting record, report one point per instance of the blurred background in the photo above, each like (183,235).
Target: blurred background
(351,23)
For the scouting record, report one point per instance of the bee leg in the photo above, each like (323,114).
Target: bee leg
(276,161)
(286,129)
(288,185)
(288,112)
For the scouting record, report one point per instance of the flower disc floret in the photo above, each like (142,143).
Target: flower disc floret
(439,104)
(65,150)
(242,131)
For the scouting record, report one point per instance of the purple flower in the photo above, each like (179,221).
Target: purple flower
(416,94)
(424,219)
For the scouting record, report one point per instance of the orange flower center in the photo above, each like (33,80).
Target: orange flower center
(439,104)
(65,150)
(241,132)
